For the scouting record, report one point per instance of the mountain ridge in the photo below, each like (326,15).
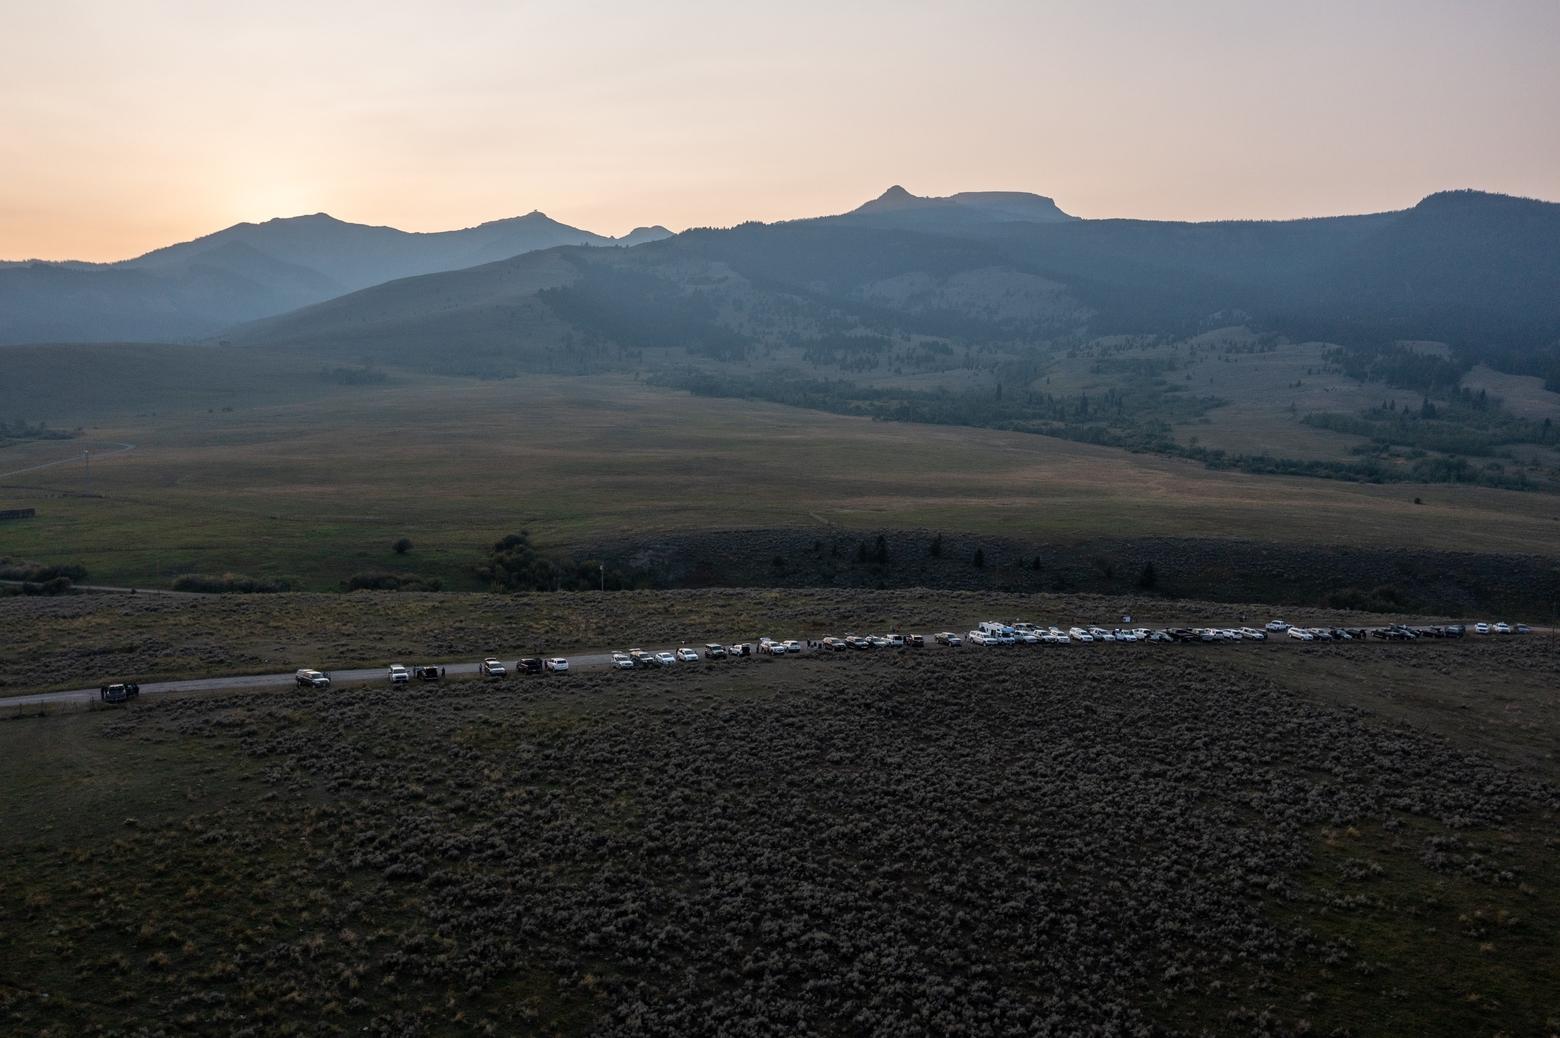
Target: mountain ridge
(1470,256)
(1477,269)
(250,270)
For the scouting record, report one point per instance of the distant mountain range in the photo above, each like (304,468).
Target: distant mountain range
(1476,270)
(250,270)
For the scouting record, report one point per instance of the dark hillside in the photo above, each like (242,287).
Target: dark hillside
(1480,271)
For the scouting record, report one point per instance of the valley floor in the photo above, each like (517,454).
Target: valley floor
(315,492)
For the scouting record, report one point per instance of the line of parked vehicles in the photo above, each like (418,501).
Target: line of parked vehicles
(988,632)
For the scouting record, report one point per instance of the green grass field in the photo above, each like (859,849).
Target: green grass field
(318,489)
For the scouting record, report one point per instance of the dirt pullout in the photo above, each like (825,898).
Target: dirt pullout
(1337,576)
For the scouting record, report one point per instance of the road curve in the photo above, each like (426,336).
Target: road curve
(260,682)
(106,589)
(124,448)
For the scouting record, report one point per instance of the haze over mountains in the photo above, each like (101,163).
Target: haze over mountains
(250,270)
(1479,271)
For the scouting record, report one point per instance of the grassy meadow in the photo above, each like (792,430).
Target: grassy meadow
(317,489)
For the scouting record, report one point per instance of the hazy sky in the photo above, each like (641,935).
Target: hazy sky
(126,125)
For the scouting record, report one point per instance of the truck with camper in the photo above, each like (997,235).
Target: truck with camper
(119,692)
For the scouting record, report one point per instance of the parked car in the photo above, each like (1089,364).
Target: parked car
(491,668)
(1252,634)
(529,665)
(714,651)
(792,645)
(1277,626)
(312,679)
(119,692)
(557,665)
(1027,637)
(981,638)
(622,661)
(399,675)
(739,649)
(666,659)
(1502,628)
(1301,635)
(895,641)
(915,641)
(877,641)
(427,672)
(687,655)
(1078,634)
(833,644)
(946,638)
(1481,628)
(1522,629)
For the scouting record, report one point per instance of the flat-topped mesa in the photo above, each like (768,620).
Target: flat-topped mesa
(997,206)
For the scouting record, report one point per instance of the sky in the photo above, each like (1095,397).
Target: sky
(129,124)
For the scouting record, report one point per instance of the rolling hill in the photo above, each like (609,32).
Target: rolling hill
(249,270)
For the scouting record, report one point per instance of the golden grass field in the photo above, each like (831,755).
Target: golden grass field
(318,490)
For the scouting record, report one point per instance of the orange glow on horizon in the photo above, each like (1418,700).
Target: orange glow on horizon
(128,127)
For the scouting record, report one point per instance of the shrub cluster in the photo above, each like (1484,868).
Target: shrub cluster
(38,572)
(514,564)
(380,580)
(227,583)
